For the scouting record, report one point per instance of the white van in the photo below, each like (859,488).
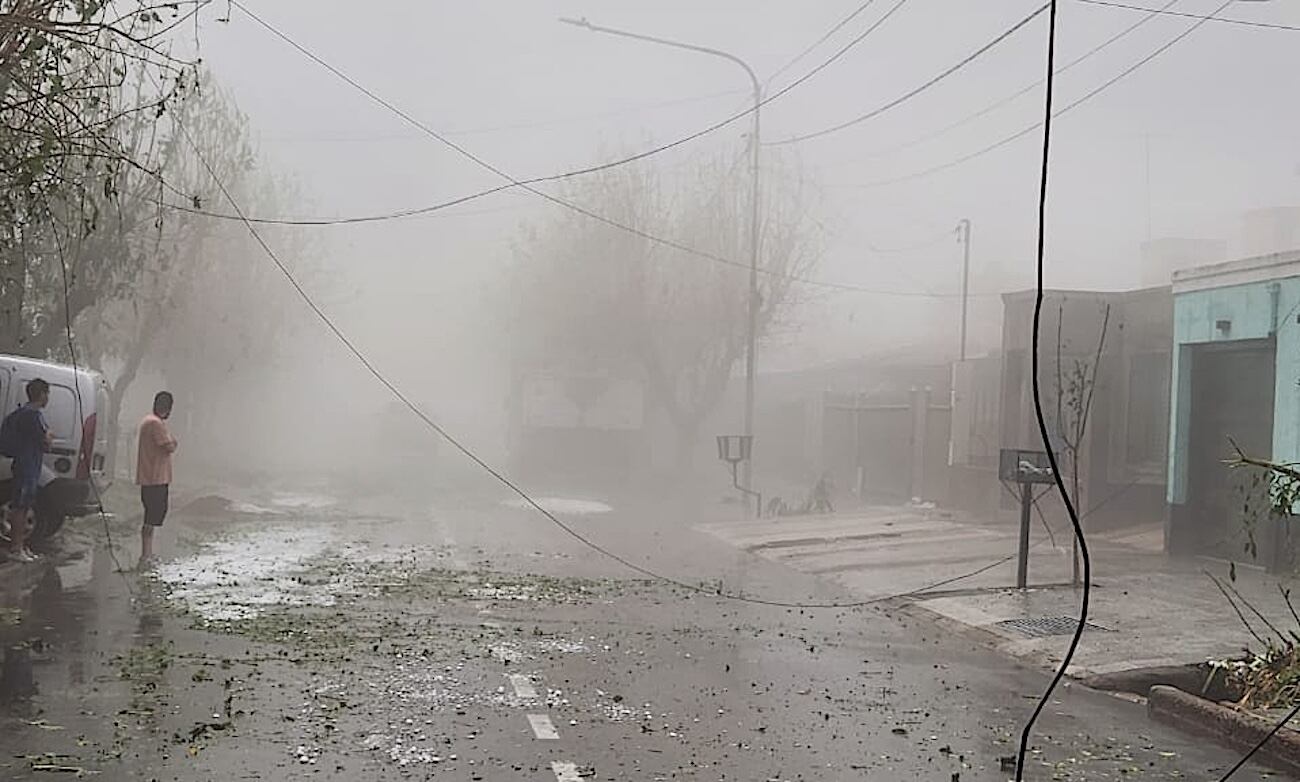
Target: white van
(79,454)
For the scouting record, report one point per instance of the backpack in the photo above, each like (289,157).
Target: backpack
(10,435)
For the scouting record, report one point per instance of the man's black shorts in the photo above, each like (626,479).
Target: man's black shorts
(154,499)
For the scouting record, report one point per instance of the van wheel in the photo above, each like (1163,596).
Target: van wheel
(47,524)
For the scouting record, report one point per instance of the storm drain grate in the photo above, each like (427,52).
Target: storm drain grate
(1046,626)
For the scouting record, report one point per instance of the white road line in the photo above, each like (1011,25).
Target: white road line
(543,728)
(566,772)
(523,686)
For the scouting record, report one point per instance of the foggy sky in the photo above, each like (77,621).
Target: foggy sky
(533,96)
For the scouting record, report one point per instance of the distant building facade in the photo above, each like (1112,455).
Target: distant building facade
(1104,364)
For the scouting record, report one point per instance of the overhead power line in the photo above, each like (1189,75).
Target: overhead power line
(823,39)
(458,200)
(1070,107)
(525,183)
(900,100)
(1027,88)
(1188,15)
(697,589)
(546,123)
(504,480)
(529,186)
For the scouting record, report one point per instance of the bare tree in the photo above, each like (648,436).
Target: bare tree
(117,306)
(200,305)
(595,297)
(1076,387)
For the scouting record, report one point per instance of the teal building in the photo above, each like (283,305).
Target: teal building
(1235,382)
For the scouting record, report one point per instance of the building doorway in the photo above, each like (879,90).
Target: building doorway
(1232,388)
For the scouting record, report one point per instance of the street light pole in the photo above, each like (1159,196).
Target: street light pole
(963,236)
(755,194)
(751,348)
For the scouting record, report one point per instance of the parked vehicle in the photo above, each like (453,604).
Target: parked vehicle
(79,453)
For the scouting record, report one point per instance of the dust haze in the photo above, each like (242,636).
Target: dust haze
(661,390)
(470,308)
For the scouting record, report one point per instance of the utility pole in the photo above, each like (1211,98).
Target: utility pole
(751,350)
(755,142)
(963,236)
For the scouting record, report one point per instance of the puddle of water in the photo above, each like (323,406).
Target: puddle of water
(564,506)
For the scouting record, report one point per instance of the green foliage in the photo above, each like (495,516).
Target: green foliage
(82,87)
(97,148)
(1269,494)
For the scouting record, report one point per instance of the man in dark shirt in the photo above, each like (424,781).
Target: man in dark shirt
(32,439)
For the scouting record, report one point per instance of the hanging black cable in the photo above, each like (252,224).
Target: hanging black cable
(1255,749)
(1069,107)
(80,405)
(997,104)
(1066,500)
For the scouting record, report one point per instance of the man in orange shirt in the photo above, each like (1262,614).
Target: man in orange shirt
(153,470)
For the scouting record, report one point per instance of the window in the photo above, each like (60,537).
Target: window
(1013,385)
(1146,415)
(61,414)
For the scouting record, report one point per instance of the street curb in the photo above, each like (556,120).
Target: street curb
(975,633)
(1199,679)
(1229,727)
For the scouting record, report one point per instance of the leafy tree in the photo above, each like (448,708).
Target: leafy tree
(82,88)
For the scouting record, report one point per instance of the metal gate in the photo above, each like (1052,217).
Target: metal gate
(887,452)
(1232,392)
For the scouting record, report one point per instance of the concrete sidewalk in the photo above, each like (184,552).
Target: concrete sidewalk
(1147,609)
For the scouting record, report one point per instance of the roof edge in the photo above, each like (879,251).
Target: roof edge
(1243,271)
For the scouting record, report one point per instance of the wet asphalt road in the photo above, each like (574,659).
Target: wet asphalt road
(451,638)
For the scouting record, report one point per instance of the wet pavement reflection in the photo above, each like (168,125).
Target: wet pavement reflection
(288,638)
